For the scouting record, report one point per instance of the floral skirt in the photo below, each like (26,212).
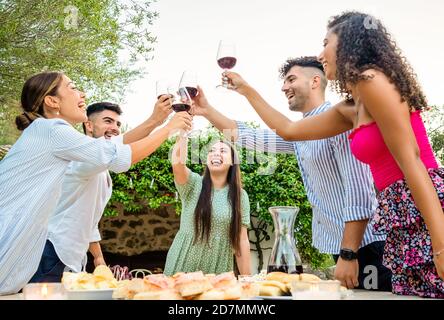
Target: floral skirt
(408,251)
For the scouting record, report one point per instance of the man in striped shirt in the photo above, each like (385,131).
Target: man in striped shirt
(339,187)
(73,226)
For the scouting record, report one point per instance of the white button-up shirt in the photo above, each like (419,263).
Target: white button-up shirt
(339,187)
(74,223)
(31,176)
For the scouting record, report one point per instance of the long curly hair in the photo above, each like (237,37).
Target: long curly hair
(364,43)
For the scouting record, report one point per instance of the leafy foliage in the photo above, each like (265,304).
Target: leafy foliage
(435,126)
(96,43)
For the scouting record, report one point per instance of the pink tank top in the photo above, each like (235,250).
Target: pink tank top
(368,146)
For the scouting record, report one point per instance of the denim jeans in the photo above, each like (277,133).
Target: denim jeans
(371,255)
(50,268)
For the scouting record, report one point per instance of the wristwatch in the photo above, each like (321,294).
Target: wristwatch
(348,254)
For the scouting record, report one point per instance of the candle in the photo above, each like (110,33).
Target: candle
(44,291)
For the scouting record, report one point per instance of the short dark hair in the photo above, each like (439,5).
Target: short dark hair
(99,107)
(304,62)
(102,106)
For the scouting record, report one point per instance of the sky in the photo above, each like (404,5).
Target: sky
(266,33)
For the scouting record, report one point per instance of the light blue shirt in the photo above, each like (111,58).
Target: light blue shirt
(31,176)
(74,223)
(338,186)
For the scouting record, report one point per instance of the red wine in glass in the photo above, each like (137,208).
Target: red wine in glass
(189,81)
(192,92)
(227,62)
(226,54)
(178,107)
(285,269)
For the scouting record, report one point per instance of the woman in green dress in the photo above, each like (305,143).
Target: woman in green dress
(215,214)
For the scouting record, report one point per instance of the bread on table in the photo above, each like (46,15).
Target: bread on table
(289,277)
(226,279)
(155,282)
(121,292)
(249,289)
(282,277)
(192,284)
(135,286)
(212,294)
(233,292)
(309,277)
(264,289)
(166,294)
(177,275)
(103,272)
(270,291)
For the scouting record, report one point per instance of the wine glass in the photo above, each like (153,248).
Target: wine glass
(180,99)
(189,81)
(226,58)
(162,86)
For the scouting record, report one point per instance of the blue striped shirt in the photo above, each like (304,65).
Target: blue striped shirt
(338,186)
(31,176)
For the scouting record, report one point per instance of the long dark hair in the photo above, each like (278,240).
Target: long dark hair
(34,91)
(203,211)
(364,43)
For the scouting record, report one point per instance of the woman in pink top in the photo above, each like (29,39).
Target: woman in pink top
(383,102)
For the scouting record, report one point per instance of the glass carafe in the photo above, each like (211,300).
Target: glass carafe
(284,256)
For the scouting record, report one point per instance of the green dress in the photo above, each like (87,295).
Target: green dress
(216,256)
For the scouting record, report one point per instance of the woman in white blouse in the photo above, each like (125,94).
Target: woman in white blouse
(31,173)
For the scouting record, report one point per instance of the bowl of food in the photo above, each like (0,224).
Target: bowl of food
(98,285)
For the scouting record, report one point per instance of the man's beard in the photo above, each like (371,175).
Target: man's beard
(96,135)
(297,105)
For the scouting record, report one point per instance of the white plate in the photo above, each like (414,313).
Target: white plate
(275,297)
(97,294)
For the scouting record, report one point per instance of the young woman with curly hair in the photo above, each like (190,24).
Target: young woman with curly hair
(383,106)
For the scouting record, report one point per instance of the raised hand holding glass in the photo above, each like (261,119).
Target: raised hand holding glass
(226,58)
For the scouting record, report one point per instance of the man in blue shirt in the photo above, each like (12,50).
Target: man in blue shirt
(339,187)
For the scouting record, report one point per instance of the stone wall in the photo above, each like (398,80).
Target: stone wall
(135,233)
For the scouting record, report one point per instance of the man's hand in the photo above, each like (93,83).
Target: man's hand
(200,107)
(347,272)
(236,82)
(99,261)
(162,109)
(180,121)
